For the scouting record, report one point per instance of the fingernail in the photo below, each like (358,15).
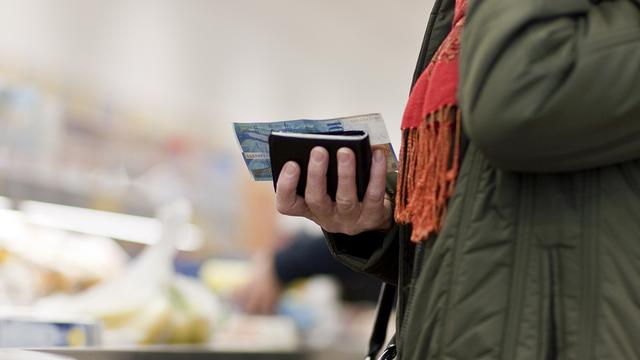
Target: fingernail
(316,155)
(342,156)
(378,156)
(289,169)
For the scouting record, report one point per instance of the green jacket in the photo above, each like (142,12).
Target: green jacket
(539,257)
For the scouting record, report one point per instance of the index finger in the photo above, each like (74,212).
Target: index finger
(288,202)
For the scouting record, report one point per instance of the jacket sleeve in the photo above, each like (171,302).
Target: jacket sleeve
(552,85)
(372,252)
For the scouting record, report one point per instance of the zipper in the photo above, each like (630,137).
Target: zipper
(552,340)
(519,274)
(409,304)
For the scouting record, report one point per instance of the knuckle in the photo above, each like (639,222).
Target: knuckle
(314,171)
(319,208)
(376,196)
(282,211)
(345,203)
(371,222)
(347,176)
(313,200)
(283,208)
(283,190)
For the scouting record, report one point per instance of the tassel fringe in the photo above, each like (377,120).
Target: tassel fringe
(429,162)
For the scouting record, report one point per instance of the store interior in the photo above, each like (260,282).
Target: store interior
(128,219)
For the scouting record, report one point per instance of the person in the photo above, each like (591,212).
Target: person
(514,230)
(303,257)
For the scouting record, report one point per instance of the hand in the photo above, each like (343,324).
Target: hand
(346,215)
(261,294)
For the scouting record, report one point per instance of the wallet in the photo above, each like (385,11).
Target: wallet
(287,146)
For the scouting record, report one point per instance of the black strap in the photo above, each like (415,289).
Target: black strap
(379,333)
(391,351)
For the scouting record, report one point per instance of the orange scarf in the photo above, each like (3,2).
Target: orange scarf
(429,157)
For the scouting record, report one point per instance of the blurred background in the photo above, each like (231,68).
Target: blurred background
(126,212)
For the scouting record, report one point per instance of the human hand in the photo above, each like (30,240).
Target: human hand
(261,293)
(347,214)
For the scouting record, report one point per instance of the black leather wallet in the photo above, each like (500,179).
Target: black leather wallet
(284,146)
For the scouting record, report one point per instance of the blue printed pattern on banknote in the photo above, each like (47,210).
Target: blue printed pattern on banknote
(254,138)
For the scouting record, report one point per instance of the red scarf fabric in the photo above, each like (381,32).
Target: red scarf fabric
(431,125)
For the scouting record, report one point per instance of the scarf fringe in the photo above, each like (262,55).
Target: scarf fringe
(429,162)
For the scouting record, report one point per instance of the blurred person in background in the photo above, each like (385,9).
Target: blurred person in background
(303,257)
(513,231)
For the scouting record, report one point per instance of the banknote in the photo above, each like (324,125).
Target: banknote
(253,138)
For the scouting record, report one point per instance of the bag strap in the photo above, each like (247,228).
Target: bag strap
(386,301)
(391,351)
